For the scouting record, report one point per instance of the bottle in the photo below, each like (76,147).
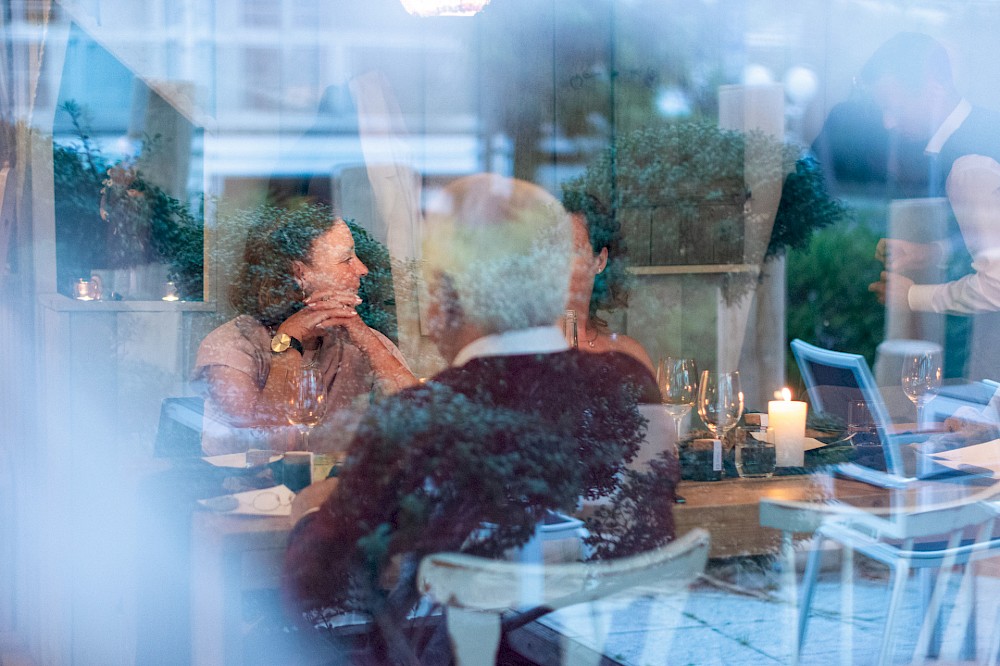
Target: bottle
(570,329)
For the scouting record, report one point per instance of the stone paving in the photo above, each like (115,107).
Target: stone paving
(743,620)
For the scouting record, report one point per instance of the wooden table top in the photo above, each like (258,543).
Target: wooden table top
(746,516)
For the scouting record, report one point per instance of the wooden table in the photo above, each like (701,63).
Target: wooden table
(234,555)
(731,509)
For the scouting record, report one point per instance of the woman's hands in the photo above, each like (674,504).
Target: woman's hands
(329,308)
(325,309)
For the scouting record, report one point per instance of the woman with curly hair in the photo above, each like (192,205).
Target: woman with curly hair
(599,280)
(297,294)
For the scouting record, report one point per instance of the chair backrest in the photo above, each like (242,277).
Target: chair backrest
(482,584)
(179,431)
(833,379)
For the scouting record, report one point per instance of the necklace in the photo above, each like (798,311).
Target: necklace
(591,340)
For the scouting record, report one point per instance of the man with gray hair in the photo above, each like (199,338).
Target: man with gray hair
(497,255)
(517,427)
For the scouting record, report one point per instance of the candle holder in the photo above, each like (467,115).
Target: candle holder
(705,460)
(170,292)
(87,290)
(756,458)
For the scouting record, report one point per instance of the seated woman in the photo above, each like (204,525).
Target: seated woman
(598,282)
(297,292)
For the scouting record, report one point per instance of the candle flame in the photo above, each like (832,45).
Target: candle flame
(786,395)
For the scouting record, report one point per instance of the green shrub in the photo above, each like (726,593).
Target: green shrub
(829,304)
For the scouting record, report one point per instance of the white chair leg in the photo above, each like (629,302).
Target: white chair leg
(993,651)
(933,609)
(846,606)
(900,574)
(475,637)
(959,634)
(809,587)
(790,593)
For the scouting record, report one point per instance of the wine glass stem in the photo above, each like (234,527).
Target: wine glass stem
(920,414)
(678,420)
(304,439)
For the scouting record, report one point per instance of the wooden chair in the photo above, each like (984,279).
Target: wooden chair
(478,591)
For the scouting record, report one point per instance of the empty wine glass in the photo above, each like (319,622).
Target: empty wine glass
(720,401)
(306,404)
(678,380)
(921,380)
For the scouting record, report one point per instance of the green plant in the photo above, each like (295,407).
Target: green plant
(109,214)
(681,195)
(829,304)
(461,469)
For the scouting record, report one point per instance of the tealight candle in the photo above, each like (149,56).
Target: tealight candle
(788,419)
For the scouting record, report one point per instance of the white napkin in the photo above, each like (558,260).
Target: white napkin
(808,443)
(984,457)
(238,460)
(275,501)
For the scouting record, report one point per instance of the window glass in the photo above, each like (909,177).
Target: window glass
(751,186)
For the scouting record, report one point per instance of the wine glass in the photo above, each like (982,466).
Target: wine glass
(306,403)
(678,380)
(921,380)
(720,401)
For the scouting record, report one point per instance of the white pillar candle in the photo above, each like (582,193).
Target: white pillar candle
(788,419)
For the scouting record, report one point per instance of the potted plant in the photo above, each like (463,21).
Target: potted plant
(111,216)
(680,195)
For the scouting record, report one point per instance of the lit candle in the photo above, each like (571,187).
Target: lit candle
(170,292)
(788,419)
(83,290)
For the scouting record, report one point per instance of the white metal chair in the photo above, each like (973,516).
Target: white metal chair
(929,538)
(477,591)
(835,378)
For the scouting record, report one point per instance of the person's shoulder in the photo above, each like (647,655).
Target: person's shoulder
(618,368)
(237,338)
(242,326)
(633,348)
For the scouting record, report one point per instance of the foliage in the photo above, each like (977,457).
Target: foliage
(639,515)
(684,167)
(829,304)
(452,465)
(109,214)
(688,179)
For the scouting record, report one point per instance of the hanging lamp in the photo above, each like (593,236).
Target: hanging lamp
(444,7)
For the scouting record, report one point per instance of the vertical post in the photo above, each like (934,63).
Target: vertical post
(751,333)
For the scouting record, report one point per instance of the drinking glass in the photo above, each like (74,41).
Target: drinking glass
(306,404)
(720,401)
(678,379)
(921,380)
(861,430)
(756,459)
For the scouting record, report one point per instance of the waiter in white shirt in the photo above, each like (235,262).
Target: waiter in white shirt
(910,78)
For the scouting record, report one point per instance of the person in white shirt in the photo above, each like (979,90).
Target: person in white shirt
(910,78)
